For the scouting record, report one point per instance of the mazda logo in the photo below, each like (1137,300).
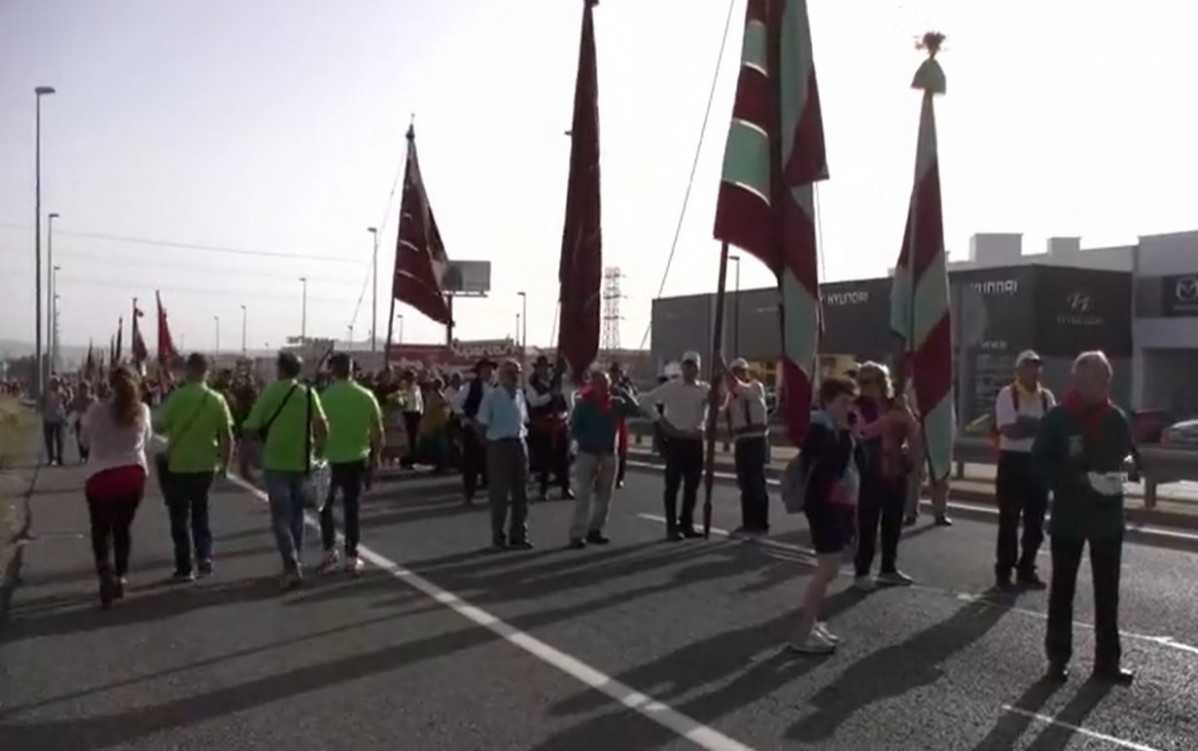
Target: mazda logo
(1079,302)
(1186,289)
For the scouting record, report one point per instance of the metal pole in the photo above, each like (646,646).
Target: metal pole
(51,293)
(244,316)
(717,345)
(374,290)
(54,332)
(216,320)
(736,310)
(400,339)
(304,312)
(517,334)
(39,371)
(524,312)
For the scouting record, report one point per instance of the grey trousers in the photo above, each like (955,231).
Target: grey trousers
(594,474)
(938,493)
(507,473)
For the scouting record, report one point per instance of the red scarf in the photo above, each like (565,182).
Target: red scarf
(1091,414)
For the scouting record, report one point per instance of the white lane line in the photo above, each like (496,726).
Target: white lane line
(808,557)
(686,727)
(1079,730)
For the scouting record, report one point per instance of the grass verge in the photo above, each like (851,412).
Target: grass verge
(17,426)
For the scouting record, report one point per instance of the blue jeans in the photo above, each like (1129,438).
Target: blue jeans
(286,494)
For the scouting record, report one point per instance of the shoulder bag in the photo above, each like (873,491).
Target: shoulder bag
(162,459)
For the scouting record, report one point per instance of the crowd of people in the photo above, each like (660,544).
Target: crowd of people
(856,478)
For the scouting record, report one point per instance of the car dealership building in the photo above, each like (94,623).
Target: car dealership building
(1138,303)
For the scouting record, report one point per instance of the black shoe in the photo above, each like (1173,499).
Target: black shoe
(597,538)
(1058,672)
(910,521)
(521,545)
(1003,584)
(205,568)
(673,535)
(691,533)
(107,589)
(499,543)
(577,543)
(182,577)
(619,484)
(118,588)
(1031,581)
(942,520)
(1120,676)
(543,496)
(567,494)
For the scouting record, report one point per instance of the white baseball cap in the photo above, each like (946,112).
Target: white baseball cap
(692,357)
(1027,356)
(739,363)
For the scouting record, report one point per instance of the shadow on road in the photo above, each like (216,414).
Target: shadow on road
(1011,725)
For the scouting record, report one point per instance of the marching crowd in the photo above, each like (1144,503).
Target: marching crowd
(856,479)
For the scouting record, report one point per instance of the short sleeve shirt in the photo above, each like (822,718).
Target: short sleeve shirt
(291,429)
(1005,413)
(193,419)
(354,415)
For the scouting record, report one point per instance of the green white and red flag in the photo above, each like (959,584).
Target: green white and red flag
(774,156)
(920,310)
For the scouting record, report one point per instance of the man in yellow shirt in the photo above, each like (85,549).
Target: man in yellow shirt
(199,430)
(355,438)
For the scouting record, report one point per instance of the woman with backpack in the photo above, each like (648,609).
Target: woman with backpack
(116,432)
(828,471)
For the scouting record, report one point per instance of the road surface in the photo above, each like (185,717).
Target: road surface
(641,645)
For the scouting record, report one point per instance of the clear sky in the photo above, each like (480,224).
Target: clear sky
(277,126)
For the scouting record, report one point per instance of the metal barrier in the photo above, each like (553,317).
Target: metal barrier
(1161,465)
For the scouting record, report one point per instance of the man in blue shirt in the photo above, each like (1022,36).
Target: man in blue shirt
(502,416)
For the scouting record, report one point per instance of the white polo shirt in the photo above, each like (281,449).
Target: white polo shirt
(1029,406)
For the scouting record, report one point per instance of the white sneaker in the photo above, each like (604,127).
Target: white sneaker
(865,583)
(353,564)
(821,629)
(329,563)
(894,579)
(814,644)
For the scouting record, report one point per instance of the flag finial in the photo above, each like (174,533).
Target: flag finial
(930,76)
(412,127)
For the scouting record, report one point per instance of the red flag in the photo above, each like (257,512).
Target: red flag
(139,344)
(167,353)
(420,259)
(774,156)
(580,272)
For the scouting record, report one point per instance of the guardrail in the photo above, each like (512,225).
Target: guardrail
(1161,465)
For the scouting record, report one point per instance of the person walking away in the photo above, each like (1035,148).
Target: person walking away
(620,380)
(548,441)
(595,426)
(746,409)
(503,416)
(411,399)
(683,420)
(291,421)
(54,419)
(455,395)
(474,452)
(116,432)
(354,443)
(80,405)
(1080,452)
(199,430)
(1020,492)
(884,426)
(830,467)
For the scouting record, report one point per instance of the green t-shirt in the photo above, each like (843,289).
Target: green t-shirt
(284,450)
(354,415)
(193,418)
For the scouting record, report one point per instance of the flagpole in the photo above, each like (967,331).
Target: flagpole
(717,345)
(449,326)
(390,330)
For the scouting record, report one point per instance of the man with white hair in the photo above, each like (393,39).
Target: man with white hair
(683,420)
(1080,452)
(749,417)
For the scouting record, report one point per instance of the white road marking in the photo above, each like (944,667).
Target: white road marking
(808,557)
(686,727)
(1079,730)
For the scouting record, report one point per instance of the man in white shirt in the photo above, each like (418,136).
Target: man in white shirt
(683,420)
(747,414)
(503,417)
(1020,493)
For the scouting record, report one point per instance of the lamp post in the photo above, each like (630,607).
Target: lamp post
(517,334)
(244,317)
(39,373)
(216,320)
(736,309)
(523,331)
(51,295)
(400,319)
(304,312)
(374,289)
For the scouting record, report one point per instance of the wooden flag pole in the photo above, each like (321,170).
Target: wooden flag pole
(713,409)
(390,331)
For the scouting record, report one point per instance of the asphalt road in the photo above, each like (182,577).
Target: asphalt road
(642,645)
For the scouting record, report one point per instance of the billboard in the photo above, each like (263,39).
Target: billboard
(857,319)
(467,278)
(1082,309)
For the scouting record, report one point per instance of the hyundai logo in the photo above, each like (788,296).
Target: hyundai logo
(1080,302)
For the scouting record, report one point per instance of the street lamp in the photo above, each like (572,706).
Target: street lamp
(517,335)
(39,92)
(51,294)
(304,312)
(400,317)
(374,289)
(523,334)
(736,310)
(216,320)
(54,298)
(244,315)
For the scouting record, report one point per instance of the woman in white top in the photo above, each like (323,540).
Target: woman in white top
(116,432)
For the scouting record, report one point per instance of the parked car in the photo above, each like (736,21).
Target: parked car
(1148,425)
(1181,435)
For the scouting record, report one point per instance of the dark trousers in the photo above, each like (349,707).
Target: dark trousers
(52,434)
(411,422)
(507,464)
(348,478)
(881,502)
(1021,497)
(474,462)
(751,456)
(111,520)
(684,466)
(187,503)
(550,454)
(621,463)
(1105,561)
